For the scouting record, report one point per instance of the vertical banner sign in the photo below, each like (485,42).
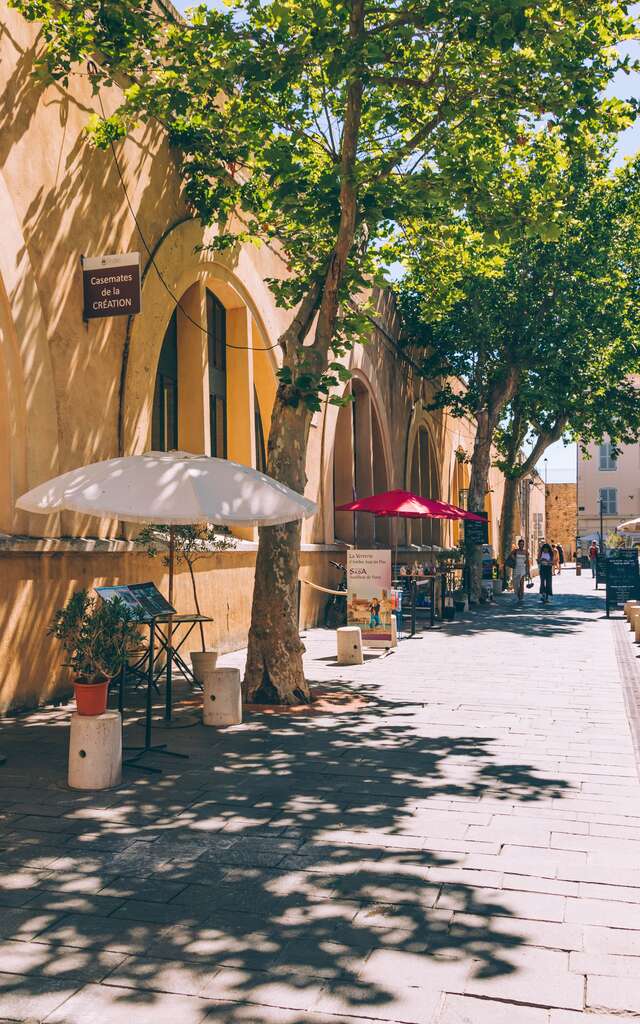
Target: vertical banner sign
(111,285)
(369,598)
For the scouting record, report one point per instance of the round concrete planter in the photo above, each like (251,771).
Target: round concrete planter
(95,751)
(203,662)
(222,697)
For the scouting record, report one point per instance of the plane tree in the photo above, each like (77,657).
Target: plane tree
(533,333)
(315,127)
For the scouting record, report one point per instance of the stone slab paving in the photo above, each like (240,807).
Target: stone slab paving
(464,849)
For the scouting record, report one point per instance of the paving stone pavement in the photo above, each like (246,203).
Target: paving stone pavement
(464,849)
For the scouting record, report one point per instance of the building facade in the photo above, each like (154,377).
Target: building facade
(195,370)
(561,511)
(608,491)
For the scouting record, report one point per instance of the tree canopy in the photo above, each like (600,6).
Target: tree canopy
(319,128)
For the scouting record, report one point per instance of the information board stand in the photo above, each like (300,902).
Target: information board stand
(476,532)
(369,600)
(601,570)
(622,579)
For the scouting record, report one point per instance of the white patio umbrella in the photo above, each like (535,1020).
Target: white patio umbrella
(631,526)
(173,488)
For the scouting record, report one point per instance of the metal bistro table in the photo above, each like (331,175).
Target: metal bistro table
(151,673)
(413,585)
(149,608)
(167,646)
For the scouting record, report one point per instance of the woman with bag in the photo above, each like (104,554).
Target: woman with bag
(545,563)
(518,560)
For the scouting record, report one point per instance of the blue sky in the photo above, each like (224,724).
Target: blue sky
(561,459)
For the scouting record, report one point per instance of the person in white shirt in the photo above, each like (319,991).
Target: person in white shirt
(519,561)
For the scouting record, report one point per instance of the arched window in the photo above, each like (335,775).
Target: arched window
(424,481)
(359,468)
(261,451)
(164,423)
(217,336)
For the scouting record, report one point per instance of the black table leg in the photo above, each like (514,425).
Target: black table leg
(157,748)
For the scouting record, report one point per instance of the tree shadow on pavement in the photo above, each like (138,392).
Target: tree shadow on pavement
(566,614)
(292,862)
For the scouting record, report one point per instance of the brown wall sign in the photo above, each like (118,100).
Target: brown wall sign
(111,285)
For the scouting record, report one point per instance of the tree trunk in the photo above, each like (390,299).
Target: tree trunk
(274,673)
(507,519)
(480,466)
(196,601)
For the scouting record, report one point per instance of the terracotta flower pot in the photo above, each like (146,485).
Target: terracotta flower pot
(91,698)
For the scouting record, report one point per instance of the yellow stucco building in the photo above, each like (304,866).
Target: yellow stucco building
(74,392)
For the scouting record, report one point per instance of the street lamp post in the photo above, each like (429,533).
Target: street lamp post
(601,527)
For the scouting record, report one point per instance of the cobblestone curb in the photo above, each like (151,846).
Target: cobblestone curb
(629,668)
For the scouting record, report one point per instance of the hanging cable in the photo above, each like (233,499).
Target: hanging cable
(93,71)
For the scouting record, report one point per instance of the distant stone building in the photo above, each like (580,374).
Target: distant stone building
(561,509)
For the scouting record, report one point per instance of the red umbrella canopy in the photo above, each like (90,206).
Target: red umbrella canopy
(408,506)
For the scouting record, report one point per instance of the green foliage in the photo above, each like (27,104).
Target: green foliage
(319,127)
(614,540)
(96,636)
(557,313)
(190,543)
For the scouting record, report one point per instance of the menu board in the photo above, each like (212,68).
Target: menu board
(143,600)
(151,599)
(601,569)
(476,532)
(623,582)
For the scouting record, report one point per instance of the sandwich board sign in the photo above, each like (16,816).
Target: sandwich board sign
(111,285)
(369,597)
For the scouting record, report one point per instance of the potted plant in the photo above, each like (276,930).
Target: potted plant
(97,637)
(190,543)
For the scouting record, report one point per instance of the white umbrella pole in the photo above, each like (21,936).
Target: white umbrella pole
(169,686)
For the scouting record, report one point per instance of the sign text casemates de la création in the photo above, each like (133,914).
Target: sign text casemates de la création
(111,285)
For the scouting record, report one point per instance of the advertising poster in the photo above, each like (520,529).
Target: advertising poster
(369,600)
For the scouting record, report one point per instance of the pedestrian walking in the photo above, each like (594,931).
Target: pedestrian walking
(518,561)
(593,557)
(556,559)
(545,565)
(561,554)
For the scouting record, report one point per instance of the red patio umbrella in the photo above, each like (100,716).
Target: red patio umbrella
(405,505)
(408,506)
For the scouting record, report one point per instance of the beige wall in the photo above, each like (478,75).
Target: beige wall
(591,479)
(73,393)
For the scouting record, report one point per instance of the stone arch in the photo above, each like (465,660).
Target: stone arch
(28,409)
(253,323)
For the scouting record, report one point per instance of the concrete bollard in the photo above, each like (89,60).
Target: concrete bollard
(628,605)
(637,633)
(222,697)
(394,631)
(95,751)
(634,617)
(349,640)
